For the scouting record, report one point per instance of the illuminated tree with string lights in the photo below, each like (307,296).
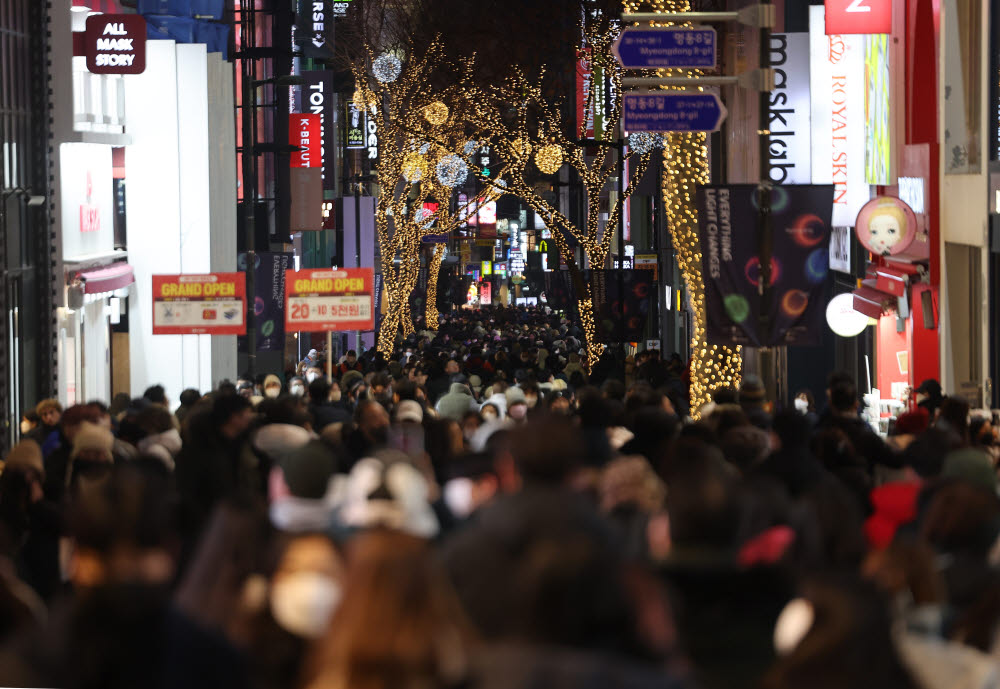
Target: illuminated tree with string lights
(685,166)
(423,157)
(532,138)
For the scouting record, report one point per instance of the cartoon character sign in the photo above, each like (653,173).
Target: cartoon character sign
(886,226)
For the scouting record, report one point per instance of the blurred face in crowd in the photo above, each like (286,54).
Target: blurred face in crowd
(489,413)
(50,417)
(374,423)
(237,423)
(312,373)
(297,388)
(272,390)
(531,398)
(306,588)
(451,368)
(335,392)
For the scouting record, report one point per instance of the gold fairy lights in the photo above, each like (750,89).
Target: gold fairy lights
(433,270)
(685,163)
(531,123)
(423,134)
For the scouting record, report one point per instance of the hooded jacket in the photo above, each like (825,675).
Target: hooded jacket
(456,402)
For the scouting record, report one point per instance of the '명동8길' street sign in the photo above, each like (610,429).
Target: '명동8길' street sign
(673,111)
(645,47)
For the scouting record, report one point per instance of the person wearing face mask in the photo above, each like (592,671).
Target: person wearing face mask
(806,405)
(307,586)
(272,386)
(297,387)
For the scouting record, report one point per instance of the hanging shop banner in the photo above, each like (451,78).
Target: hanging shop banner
(321,300)
(356,124)
(305,133)
(418,297)
(840,249)
(115,44)
(858,17)
(316,96)
(558,288)
(621,303)
(878,127)
(837,92)
(269,298)
(584,108)
(485,294)
(790,110)
(800,223)
(314,26)
(208,304)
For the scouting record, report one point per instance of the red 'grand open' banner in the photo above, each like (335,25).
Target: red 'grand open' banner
(203,304)
(326,299)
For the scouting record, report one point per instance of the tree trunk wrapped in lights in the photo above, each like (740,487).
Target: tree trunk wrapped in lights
(423,137)
(685,165)
(432,282)
(532,138)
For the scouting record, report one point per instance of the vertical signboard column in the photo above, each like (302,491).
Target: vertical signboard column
(305,132)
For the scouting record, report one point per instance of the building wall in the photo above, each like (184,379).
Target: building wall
(963,244)
(180,137)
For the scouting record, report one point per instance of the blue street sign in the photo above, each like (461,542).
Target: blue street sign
(644,47)
(434,239)
(673,111)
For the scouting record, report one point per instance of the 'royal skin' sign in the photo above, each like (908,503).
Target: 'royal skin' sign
(116,44)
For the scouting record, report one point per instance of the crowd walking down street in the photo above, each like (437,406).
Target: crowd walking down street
(478,511)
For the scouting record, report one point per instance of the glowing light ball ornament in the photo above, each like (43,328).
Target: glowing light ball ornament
(644,142)
(436,113)
(414,167)
(470,147)
(386,68)
(842,318)
(549,158)
(452,170)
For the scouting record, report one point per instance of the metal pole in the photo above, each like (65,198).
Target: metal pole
(765,231)
(249,183)
(621,237)
(357,244)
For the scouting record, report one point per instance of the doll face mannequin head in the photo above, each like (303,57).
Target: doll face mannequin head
(886,228)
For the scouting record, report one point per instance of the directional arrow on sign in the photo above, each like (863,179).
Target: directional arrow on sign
(672,111)
(645,47)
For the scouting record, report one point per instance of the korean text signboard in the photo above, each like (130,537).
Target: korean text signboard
(116,44)
(652,47)
(204,304)
(678,111)
(321,300)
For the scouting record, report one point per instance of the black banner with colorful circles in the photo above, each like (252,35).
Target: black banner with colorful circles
(730,248)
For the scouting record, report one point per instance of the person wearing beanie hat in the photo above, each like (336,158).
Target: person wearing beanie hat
(93,443)
(25,456)
(971,465)
(387,491)
(91,460)
(409,411)
(476,383)
(272,386)
(517,405)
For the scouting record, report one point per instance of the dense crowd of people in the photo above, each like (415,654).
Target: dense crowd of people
(477,511)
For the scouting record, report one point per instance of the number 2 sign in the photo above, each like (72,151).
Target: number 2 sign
(858,16)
